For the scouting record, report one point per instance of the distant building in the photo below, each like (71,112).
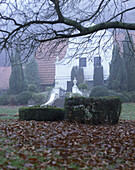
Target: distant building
(85,56)
(46,56)
(56,60)
(55,64)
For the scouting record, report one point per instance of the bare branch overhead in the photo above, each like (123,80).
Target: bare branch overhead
(28,23)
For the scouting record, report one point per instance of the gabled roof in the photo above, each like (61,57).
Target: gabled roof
(46,57)
(4,77)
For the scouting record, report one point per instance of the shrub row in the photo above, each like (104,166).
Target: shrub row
(22,98)
(41,113)
(96,110)
(101,91)
(79,109)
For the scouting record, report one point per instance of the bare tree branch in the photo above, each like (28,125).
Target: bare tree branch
(29,23)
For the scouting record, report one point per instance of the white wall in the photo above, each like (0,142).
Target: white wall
(78,49)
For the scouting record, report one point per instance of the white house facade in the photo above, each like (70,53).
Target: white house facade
(97,50)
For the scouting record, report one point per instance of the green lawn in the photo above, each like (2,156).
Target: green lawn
(9,112)
(128,111)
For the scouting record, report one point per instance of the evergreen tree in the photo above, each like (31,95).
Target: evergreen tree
(118,75)
(98,76)
(129,60)
(77,73)
(17,82)
(31,72)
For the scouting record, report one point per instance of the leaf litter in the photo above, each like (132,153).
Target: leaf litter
(64,145)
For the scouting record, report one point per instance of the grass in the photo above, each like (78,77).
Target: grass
(128,111)
(11,112)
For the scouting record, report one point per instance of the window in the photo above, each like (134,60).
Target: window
(97,61)
(69,86)
(82,62)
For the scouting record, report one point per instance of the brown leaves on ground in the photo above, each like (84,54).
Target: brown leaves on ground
(38,145)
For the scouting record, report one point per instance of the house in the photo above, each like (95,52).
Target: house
(46,57)
(55,64)
(56,60)
(86,56)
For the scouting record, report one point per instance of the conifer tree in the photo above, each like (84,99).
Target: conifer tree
(17,81)
(77,73)
(31,72)
(98,76)
(129,60)
(118,75)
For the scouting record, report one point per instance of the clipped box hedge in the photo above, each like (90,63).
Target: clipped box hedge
(41,113)
(97,110)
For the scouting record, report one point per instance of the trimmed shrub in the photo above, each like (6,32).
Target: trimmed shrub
(101,110)
(4,100)
(49,88)
(75,109)
(38,98)
(70,94)
(83,87)
(106,110)
(99,91)
(12,100)
(76,95)
(23,97)
(32,88)
(41,113)
(124,97)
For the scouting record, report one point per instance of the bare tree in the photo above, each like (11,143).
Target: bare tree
(27,23)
